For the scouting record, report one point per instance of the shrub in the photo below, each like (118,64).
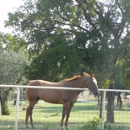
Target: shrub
(7,112)
(92,124)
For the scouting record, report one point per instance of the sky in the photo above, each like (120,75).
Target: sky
(5,7)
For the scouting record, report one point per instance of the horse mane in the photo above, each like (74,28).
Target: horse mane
(73,78)
(76,77)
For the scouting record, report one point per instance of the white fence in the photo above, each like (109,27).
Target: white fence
(48,87)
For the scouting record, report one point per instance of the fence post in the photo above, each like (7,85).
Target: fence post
(17,108)
(103,108)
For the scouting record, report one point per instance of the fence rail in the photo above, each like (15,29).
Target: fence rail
(65,88)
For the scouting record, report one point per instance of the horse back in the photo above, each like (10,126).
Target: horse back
(45,94)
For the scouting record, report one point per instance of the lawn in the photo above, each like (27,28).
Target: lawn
(47,116)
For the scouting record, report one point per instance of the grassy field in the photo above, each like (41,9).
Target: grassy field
(47,116)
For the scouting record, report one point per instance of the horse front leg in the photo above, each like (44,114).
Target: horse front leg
(64,112)
(68,114)
(62,120)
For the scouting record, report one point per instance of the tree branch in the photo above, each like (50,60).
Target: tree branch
(19,79)
(123,21)
(119,6)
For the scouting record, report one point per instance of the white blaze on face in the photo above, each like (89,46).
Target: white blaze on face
(94,80)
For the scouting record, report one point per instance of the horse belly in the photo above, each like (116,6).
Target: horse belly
(70,96)
(32,94)
(51,96)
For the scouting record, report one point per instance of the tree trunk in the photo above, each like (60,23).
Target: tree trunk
(110,106)
(3,101)
(3,108)
(101,104)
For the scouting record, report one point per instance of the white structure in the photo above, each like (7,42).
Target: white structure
(47,87)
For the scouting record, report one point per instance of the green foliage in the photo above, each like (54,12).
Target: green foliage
(126,64)
(12,58)
(113,127)
(95,124)
(7,111)
(12,63)
(65,37)
(14,43)
(45,127)
(54,63)
(92,124)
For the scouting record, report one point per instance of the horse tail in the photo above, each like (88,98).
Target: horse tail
(29,81)
(26,95)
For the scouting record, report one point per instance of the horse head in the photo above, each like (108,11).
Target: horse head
(92,83)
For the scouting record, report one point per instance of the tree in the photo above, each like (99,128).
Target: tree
(126,65)
(97,31)
(11,69)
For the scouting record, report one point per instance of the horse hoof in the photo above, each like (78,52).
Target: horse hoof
(33,127)
(62,129)
(67,128)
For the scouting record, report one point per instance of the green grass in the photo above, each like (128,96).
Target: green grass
(47,116)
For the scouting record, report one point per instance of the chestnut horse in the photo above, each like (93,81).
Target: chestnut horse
(59,96)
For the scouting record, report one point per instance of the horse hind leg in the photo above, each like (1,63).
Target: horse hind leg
(29,113)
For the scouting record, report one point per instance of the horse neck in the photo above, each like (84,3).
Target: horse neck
(78,83)
(83,82)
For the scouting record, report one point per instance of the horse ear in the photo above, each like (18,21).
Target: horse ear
(93,75)
(85,74)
